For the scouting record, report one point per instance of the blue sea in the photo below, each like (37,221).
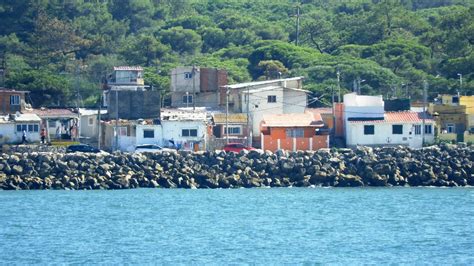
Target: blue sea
(239,226)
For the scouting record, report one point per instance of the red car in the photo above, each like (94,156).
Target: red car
(236,147)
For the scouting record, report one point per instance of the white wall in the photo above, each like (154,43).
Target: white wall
(294,101)
(158,139)
(383,135)
(9,135)
(180,84)
(173,129)
(259,105)
(87,130)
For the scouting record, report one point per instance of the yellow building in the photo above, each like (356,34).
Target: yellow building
(468,102)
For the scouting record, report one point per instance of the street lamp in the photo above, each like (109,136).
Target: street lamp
(460,81)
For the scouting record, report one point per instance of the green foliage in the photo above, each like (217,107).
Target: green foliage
(61,50)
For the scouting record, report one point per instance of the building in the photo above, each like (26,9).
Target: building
(88,123)
(60,123)
(468,102)
(12,128)
(237,132)
(393,128)
(12,101)
(293,132)
(451,116)
(126,96)
(176,128)
(281,96)
(197,87)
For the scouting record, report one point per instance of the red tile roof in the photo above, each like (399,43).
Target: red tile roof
(52,113)
(398,117)
(292,120)
(136,68)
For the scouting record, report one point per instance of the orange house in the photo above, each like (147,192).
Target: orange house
(305,131)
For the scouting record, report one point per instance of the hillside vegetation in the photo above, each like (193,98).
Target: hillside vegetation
(60,50)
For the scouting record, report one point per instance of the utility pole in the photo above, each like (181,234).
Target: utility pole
(425,88)
(249,138)
(338,86)
(99,126)
(297,24)
(227,115)
(333,113)
(194,87)
(116,120)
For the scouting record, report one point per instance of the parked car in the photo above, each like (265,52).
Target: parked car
(82,148)
(150,148)
(236,147)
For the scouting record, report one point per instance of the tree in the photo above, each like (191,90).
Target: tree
(181,40)
(272,69)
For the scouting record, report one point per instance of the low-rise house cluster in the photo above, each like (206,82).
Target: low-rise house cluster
(206,113)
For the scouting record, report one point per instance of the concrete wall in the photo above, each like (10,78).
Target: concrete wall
(383,135)
(294,101)
(173,130)
(134,104)
(88,126)
(259,105)
(9,135)
(467,101)
(158,135)
(202,99)
(179,82)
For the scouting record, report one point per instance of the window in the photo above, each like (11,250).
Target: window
(14,99)
(24,127)
(122,131)
(148,133)
(233,130)
(428,129)
(450,128)
(455,99)
(369,130)
(18,128)
(91,121)
(52,123)
(35,128)
(417,129)
(272,98)
(188,75)
(397,129)
(189,133)
(27,127)
(294,133)
(187,99)
(30,128)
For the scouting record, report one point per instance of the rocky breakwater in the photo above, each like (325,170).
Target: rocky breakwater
(447,165)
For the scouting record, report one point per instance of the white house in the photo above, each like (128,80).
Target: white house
(395,128)
(179,128)
(88,123)
(281,96)
(12,127)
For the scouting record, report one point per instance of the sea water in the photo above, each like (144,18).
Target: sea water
(239,226)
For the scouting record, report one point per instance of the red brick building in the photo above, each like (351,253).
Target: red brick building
(12,101)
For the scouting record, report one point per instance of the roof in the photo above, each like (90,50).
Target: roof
(321,110)
(232,118)
(270,88)
(11,90)
(258,83)
(398,117)
(292,120)
(182,115)
(83,111)
(53,113)
(133,68)
(26,118)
